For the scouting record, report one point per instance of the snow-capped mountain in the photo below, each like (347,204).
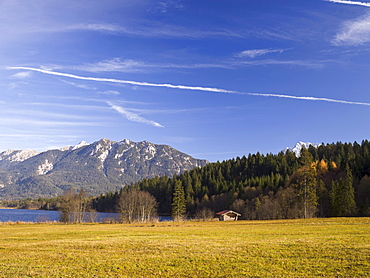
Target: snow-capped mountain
(17,155)
(298,147)
(98,167)
(79,145)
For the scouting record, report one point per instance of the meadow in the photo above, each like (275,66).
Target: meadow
(333,247)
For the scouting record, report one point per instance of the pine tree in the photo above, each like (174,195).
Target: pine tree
(178,202)
(342,197)
(363,196)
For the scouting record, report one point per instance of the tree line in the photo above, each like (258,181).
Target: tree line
(330,180)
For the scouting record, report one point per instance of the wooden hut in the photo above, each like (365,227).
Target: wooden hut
(228,215)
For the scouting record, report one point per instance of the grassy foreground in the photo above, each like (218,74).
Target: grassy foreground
(336,247)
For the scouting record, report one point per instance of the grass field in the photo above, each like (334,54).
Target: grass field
(336,247)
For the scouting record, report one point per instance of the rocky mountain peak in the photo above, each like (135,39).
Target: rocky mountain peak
(298,147)
(98,167)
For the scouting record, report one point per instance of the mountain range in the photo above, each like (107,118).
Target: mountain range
(98,167)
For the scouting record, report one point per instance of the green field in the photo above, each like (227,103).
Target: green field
(336,247)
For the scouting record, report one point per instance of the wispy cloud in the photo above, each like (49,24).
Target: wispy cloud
(118,65)
(114,64)
(366,4)
(82,86)
(166,6)
(16,121)
(132,116)
(36,114)
(265,62)
(12,86)
(28,135)
(99,27)
(158,29)
(85,18)
(252,53)
(147,29)
(109,93)
(21,75)
(19,78)
(80,107)
(354,32)
(166,111)
(185,87)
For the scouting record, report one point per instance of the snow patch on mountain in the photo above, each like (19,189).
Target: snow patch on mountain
(72,148)
(150,151)
(17,155)
(118,155)
(124,141)
(103,156)
(80,145)
(128,145)
(101,149)
(23,155)
(298,147)
(45,168)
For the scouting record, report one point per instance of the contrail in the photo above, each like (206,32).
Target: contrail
(127,81)
(183,87)
(132,116)
(311,98)
(366,4)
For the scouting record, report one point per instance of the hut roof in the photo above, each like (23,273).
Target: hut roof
(228,212)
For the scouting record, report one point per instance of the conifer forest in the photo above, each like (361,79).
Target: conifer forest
(330,180)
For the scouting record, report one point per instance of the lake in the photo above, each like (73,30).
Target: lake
(30,215)
(27,215)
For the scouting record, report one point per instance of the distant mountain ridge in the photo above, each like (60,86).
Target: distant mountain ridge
(98,167)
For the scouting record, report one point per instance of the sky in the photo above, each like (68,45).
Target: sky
(214,79)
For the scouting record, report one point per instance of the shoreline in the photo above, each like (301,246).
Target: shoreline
(8,208)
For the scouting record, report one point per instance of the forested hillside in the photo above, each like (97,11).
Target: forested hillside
(330,180)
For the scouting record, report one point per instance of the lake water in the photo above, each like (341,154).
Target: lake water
(26,215)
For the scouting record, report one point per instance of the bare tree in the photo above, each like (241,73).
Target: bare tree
(146,206)
(135,205)
(67,206)
(74,206)
(126,206)
(204,214)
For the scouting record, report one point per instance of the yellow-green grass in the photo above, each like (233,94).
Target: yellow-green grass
(336,247)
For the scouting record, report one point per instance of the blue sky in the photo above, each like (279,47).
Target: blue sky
(214,79)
